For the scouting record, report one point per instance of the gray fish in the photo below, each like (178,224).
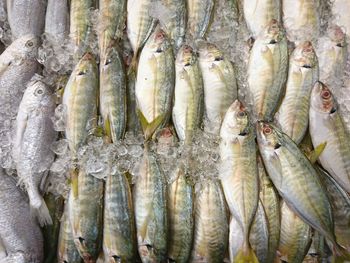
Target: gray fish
(57,20)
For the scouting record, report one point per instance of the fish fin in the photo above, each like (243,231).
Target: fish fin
(317,152)
(107,128)
(41,212)
(74,181)
(246,255)
(149,127)
(44,182)
(133,64)
(340,254)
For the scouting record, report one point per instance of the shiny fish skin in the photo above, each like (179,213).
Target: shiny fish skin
(220,87)
(20,233)
(31,148)
(293,114)
(113,93)
(85,216)
(188,103)
(267,71)
(199,14)
(258,13)
(326,125)
(295,238)
(119,233)
(180,214)
(79,100)
(150,202)
(211,224)
(26,17)
(57,20)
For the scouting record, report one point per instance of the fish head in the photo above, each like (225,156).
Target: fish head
(38,94)
(83,250)
(166,136)
(304,55)
(273,33)
(147,253)
(158,41)
(337,35)
(27,45)
(110,56)
(86,67)
(236,122)
(269,137)
(322,99)
(209,52)
(186,56)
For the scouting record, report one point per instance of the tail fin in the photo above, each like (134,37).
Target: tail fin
(245,255)
(41,212)
(149,127)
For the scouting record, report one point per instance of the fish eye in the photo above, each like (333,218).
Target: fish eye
(272,42)
(333,110)
(39,91)
(242,114)
(267,129)
(29,43)
(325,94)
(81,73)
(149,247)
(219,58)
(108,61)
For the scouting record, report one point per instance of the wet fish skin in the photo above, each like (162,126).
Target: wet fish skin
(26,17)
(211,224)
(180,214)
(150,202)
(113,94)
(326,125)
(19,231)
(267,70)
(293,114)
(188,104)
(119,233)
(220,86)
(57,20)
(198,17)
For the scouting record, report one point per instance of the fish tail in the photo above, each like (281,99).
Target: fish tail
(40,210)
(149,127)
(245,254)
(133,64)
(340,254)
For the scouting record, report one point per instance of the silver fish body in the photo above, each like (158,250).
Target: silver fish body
(198,17)
(57,20)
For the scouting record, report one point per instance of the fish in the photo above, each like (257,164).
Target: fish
(211,230)
(113,94)
(20,233)
(338,11)
(57,20)
(239,174)
(301,19)
(327,125)
(34,136)
(119,232)
(150,203)
(293,113)
(180,216)
(219,82)
(111,23)
(155,82)
(26,17)
(132,120)
(199,14)
(79,101)
(258,14)
(296,181)
(66,250)
(85,215)
(188,96)
(267,70)
(295,238)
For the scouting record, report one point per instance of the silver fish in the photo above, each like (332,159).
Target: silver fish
(199,14)
(57,20)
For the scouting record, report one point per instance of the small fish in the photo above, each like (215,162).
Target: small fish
(31,147)
(188,103)
(267,70)
(220,86)
(326,125)
(199,15)
(293,114)
(57,20)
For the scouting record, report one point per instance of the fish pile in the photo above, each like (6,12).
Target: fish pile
(174,131)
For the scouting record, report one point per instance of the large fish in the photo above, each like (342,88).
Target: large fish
(326,125)
(26,17)
(220,87)
(239,173)
(188,103)
(293,113)
(267,70)
(32,144)
(20,234)
(57,20)
(199,13)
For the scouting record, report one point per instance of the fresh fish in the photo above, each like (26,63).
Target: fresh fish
(150,202)
(85,216)
(267,70)
(180,214)
(211,224)
(31,147)
(293,113)
(119,233)
(220,87)
(296,181)
(132,121)
(259,13)
(26,17)
(66,250)
(295,239)
(301,19)
(271,204)
(79,100)
(113,94)
(199,14)
(155,82)
(239,173)
(326,125)
(19,231)
(188,104)
(57,20)
(339,8)
(111,22)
